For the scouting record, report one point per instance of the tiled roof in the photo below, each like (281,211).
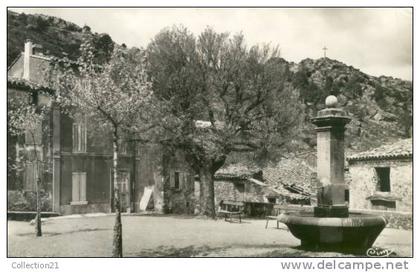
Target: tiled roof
(236,171)
(38,66)
(399,149)
(20,83)
(241,172)
(292,171)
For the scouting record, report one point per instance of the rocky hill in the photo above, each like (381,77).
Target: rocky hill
(381,107)
(57,36)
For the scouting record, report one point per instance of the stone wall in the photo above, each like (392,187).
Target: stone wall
(180,200)
(229,190)
(364,181)
(240,190)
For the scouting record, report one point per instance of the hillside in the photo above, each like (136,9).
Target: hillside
(57,36)
(380,107)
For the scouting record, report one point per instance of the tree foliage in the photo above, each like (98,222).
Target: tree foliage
(116,94)
(219,96)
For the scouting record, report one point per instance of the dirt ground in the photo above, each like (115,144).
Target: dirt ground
(171,236)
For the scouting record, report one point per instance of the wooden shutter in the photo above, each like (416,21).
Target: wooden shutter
(75,187)
(75,137)
(184,181)
(180,180)
(82,186)
(84,143)
(82,137)
(172,179)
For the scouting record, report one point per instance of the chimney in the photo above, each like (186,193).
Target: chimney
(27,58)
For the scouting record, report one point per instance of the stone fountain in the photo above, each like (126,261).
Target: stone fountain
(331,226)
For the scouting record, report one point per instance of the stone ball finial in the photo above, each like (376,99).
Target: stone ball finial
(331,101)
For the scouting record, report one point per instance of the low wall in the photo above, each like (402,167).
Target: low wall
(27,216)
(261,210)
(82,209)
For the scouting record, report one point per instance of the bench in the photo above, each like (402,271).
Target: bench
(229,209)
(279,212)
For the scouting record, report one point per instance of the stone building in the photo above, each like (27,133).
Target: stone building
(231,183)
(381,178)
(237,183)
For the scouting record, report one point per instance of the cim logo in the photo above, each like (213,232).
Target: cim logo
(378,252)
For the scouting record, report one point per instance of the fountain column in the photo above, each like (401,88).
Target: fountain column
(331,123)
(330,226)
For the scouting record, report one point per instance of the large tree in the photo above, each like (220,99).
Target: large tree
(116,95)
(219,96)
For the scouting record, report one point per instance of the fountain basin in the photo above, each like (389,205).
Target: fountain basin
(355,233)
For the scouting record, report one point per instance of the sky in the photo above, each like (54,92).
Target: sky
(378,41)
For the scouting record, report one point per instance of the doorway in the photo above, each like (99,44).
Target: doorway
(123,184)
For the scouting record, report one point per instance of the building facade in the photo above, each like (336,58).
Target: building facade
(79,179)
(381,178)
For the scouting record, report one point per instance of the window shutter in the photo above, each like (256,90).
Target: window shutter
(75,137)
(181,180)
(172,179)
(184,182)
(75,187)
(79,137)
(83,137)
(82,181)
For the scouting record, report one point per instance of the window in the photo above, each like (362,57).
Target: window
(178,179)
(176,185)
(240,187)
(79,188)
(271,200)
(123,148)
(79,137)
(123,181)
(347,195)
(384,184)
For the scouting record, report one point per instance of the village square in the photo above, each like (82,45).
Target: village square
(200,144)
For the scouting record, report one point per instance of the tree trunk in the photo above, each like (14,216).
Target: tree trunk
(38,229)
(38,207)
(117,239)
(207,206)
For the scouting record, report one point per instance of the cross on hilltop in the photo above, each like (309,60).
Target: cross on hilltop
(325,51)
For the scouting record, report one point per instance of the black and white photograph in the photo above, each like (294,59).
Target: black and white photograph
(210,132)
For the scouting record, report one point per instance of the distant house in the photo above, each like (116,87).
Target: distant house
(297,175)
(239,183)
(381,178)
(234,182)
